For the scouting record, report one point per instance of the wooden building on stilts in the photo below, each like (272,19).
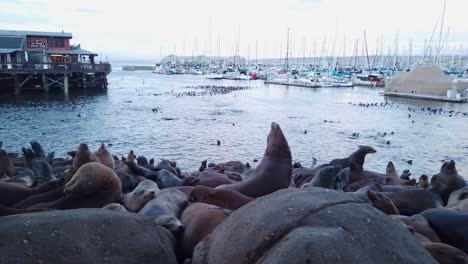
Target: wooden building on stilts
(32,60)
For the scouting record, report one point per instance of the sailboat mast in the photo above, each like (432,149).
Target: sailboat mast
(441,30)
(367,52)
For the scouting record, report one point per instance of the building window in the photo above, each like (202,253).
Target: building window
(56,43)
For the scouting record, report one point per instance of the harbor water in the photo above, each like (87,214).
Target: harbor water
(156,116)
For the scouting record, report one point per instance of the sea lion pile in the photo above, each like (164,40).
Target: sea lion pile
(98,208)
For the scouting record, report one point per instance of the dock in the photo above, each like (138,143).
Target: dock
(137,68)
(44,76)
(293,84)
(425,97)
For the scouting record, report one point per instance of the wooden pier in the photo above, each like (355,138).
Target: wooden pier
(20,77)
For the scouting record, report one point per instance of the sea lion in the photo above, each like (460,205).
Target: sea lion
(43,171)
(383,203)
(390,171)
(273,172)
(228,199)
(385,188)
(448,180)
(38,150)
(105,156)
(405,175)
(44,197)
(423,182)
(92,186)
(12,193)
(136,169)
(25,177)
(378,180)
(83,156)
(325,178)
(166,165)
(166,179)
(4,210)
(457,196)
(412,202)
(6,166)
(142,161)
(446,254)
(355,161)
(199,220)
(115,207)
(128,181)
(420,224)
(303,175)
(233,166)
(342,179)
(450,225)
(145,191)
(166,207)
(29,157)
(202,166)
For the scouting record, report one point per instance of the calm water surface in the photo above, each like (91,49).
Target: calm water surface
(186,128)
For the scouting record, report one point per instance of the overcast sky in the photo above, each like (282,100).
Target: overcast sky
(149,29)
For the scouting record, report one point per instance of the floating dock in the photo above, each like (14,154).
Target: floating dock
(294,84)
(138,68)
(426,97)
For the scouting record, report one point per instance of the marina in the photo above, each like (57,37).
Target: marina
(212,132)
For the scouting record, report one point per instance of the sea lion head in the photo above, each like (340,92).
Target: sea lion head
(115,207)
(390,168)
(131,156)
(449,167)
(382,202)
(144,192)
(200,194)
(277,145)
(171,223)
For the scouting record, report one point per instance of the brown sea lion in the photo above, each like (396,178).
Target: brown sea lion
(273,172)
(412,202)
(423,182)
(228,199)
(83,156)
(4,210)
(214,182)
(92,186)
(145,191)
(355,161)
(378,180)
(105,156)
(446,254)
(12,193)
(199,220)
(166,207)
(6,166)
(420,224)
(383,203)
(448,180)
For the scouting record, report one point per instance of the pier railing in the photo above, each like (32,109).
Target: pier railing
(55,67)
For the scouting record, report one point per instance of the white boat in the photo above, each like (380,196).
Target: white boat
(214,76)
